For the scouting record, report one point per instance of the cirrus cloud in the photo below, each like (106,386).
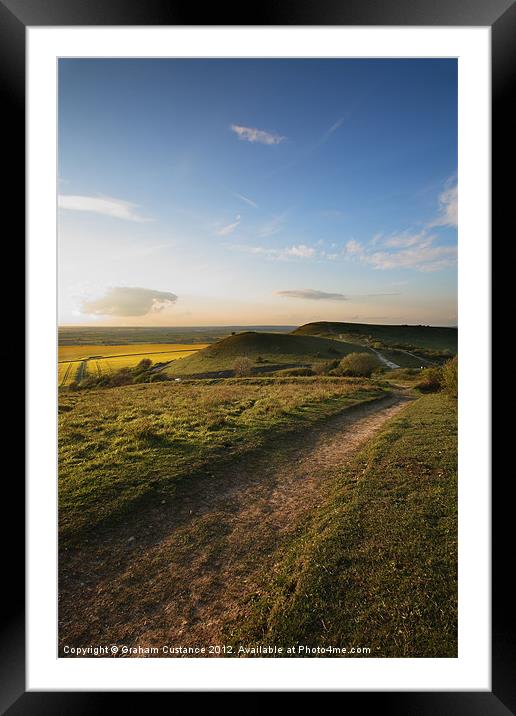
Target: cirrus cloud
(229,228)
(448,208)
(127,301)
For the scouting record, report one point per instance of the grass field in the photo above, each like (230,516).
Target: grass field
(119,446)
(376,565)
(262,349)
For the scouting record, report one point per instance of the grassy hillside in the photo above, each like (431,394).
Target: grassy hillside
(118,446)
(377,565)
(415,337)
(262,349)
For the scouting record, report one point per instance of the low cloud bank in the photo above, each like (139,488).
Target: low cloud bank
(313,295)
(125,301)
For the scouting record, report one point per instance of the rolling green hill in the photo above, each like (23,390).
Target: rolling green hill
(264,349)
(428,338)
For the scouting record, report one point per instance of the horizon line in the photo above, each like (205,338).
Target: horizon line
(250,325)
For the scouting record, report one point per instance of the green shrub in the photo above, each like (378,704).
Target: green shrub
(431,380)
(325,368)
(358,364)
(450,377)
(90,381)
(158,377)
(294,372)
(143,377)
(121,377)
(405,373)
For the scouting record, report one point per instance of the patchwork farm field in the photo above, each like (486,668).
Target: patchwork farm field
(77,362)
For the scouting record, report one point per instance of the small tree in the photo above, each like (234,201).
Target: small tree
(242,366)
(358,364)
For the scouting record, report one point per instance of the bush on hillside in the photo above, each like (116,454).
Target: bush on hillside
(431,380)
(358,364)
(325,368)
(243,366)
(295,372)
(90,381)
(450,377)
(144,364)
(141,373)
(404,373)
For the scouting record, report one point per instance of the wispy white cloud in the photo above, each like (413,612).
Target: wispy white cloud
(271,227)
(313,295)
(424,257)
(128,301)
(299,251)
(253,135)
(406,250)
(448,208)
(354,248)
(116,208)
(418,250)
(310,148)
(336,125)
(316,295)
(246,200)
(229,228)
(404,239)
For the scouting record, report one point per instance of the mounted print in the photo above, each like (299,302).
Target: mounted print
(257,366)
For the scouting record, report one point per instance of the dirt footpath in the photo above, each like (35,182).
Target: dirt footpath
(176,575)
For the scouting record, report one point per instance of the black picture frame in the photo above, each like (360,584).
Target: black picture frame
(15,16)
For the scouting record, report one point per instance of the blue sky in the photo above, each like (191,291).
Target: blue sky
(198,192)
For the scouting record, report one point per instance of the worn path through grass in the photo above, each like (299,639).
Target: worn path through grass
(177,575)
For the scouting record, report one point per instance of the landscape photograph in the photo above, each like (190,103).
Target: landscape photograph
(257,369)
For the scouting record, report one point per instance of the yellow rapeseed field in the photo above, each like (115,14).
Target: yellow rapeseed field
(78,361)
(67,372)
(69,353)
